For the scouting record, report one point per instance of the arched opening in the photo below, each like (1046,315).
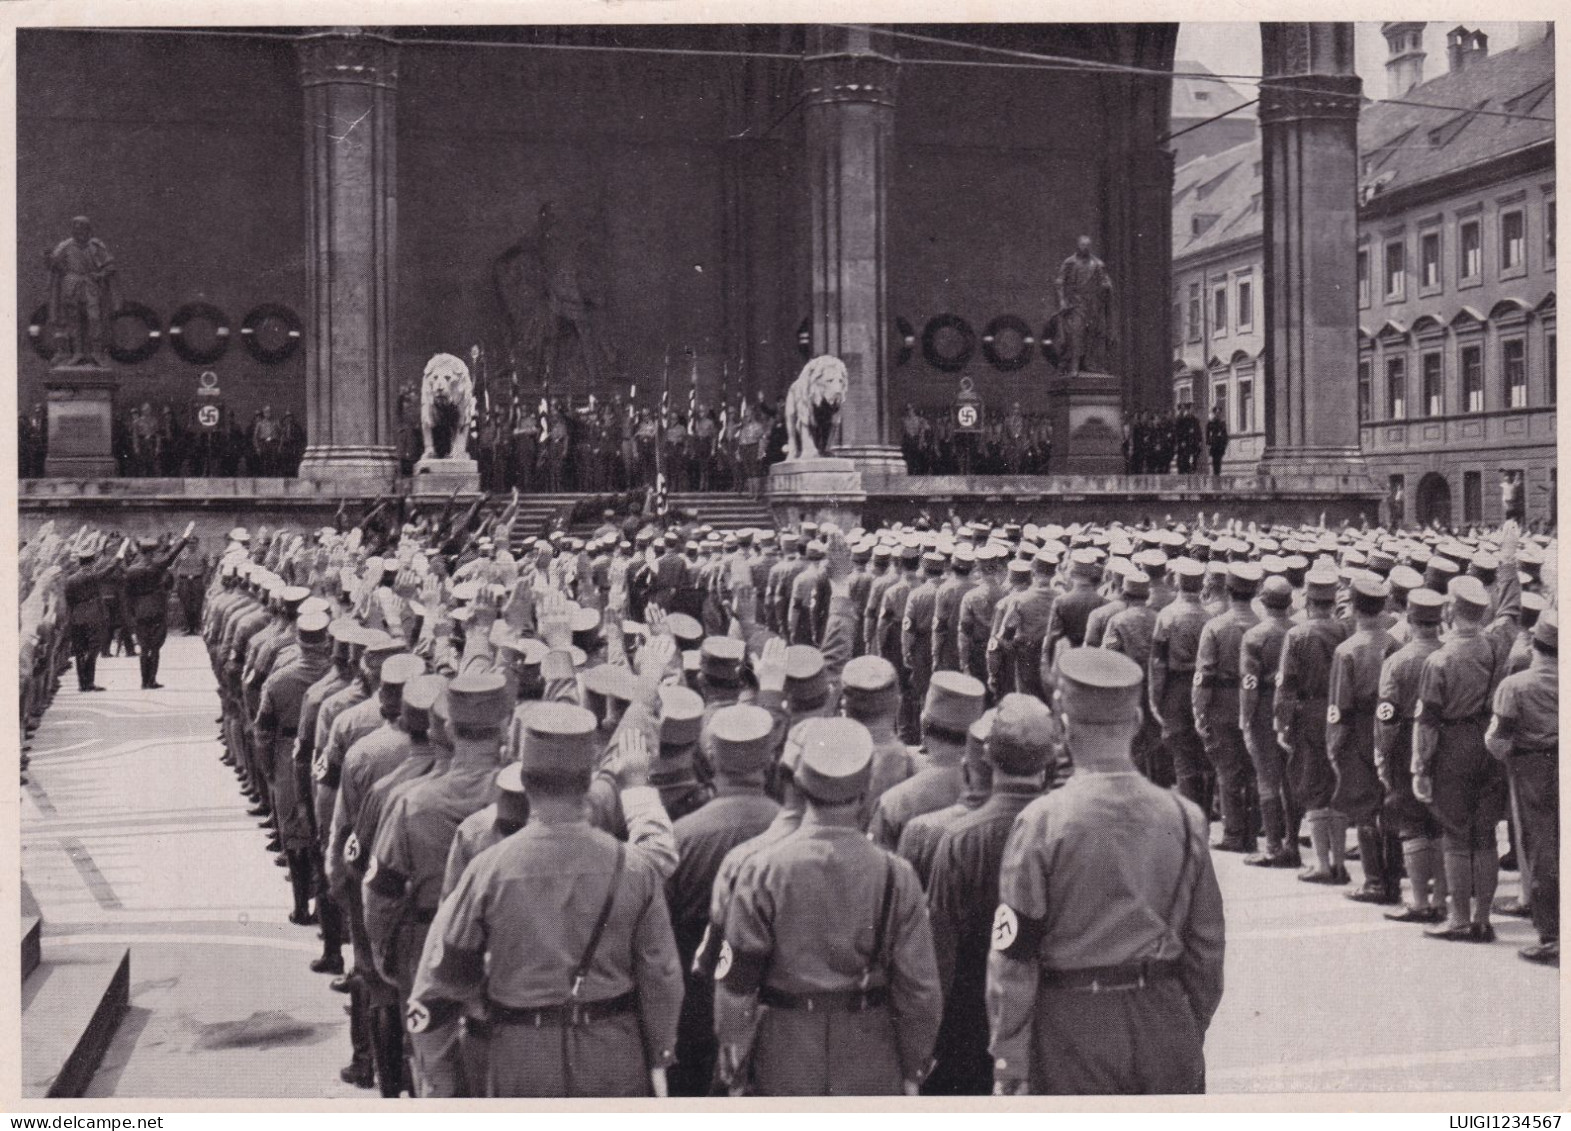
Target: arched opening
(1434,500)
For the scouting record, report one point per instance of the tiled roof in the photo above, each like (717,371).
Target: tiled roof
(1195,98)
(1401,144)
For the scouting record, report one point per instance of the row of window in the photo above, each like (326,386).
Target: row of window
(1511,250)
(1208,315)
(1431,387)
(1425,509)
(1238,413)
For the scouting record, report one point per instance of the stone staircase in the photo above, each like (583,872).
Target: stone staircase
(723,511)
(71,1006)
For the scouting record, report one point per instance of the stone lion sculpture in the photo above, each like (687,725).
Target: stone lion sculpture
(447,406)
(812,403)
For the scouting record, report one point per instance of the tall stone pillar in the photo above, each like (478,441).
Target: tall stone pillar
(850,76)
(1309,101)
(350,79)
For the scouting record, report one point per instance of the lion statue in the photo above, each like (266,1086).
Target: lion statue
(812,404)
(447,406)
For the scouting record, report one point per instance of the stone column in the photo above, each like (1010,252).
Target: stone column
(850,76)
(1309,101)
(350,79)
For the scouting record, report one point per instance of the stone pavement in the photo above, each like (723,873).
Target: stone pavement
(133,832)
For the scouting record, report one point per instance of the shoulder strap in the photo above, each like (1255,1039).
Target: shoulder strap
(582,970)
(1183,869)
(881,931)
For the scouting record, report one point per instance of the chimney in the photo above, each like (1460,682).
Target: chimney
(1404,57)
(1464,47)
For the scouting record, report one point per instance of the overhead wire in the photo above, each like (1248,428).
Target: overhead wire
(1019,59)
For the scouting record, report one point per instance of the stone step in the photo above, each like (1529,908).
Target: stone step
(32,932)
(71,1008)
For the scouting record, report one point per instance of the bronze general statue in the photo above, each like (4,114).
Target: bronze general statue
(82,296)
(1084,296)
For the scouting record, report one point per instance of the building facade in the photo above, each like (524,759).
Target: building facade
(1455,281)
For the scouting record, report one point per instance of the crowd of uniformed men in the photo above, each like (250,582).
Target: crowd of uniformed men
(811,812)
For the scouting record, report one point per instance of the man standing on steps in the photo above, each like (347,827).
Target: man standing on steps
(1216,439)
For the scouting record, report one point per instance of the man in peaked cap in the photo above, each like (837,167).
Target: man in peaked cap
(919,839)
(962,890)
(870,694)
(883,572)
(1413,821)
(807,602)
(830,933)
(1000,678)
(1130,631)
(888,638)
(147,583)
(946,610)
(1452,769)
(1072,610)
(1016,645)
(1082,870)
(582,983)
(916,628)
(277,722)
(978,612)
(1351,704)
(1260,656)
(1524,733)
(1215,701)
(954,702)
(1299,713)
(737,743)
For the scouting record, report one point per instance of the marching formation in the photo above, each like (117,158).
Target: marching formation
(922,809)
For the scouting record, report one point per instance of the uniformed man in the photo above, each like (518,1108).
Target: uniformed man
(1130,632)
(191,577)
(831,935)
(919,839)
(1067,621)
(581,981)
(978,608)
(1525,734)
(778,588)
(1106,966)
(277,725)
(947,599)
(916,628)
(891,615)
(1351,703)
(1452,769)
(737,741)
(147,584)
(870,694)
(85,608)
(1000,677)
(954,701)
(1260,657)
(1302,685)
(865,572)
(962,892)
(1022,625)
(1215,702)
(1413,821)
(805,598)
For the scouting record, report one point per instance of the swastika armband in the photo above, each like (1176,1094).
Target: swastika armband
(424,1015)
(1199,680)
(1251,683)
(351,849)
(1015,935)
(1386,712)
(389,883)
(741,973)
(1333,714)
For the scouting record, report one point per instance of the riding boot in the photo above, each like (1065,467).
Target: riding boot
(387,1035)
(1486,875)
(1371,854)
(360,1070)
(1271,820)
(1291,820)
(1336,825)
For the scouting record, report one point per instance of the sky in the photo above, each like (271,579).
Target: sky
(1229,48)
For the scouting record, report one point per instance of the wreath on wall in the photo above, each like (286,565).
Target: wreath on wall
(152,334)
(1007,343)
(194,313)
(271,323)
(948,342)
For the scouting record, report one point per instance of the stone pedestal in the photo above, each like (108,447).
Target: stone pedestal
(81,410)
(827,489)
(350,81)
(444,476)
(1087,414)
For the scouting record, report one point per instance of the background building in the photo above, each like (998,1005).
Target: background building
(1456,268)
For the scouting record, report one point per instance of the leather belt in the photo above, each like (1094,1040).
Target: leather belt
(566,1015)
(1522,751)
(1105,979)
(1480,717)
(1221,682)
(831,1001)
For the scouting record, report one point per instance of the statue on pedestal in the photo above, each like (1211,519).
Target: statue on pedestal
(812,404)
(1085,293)
(82,297)
(447,407)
